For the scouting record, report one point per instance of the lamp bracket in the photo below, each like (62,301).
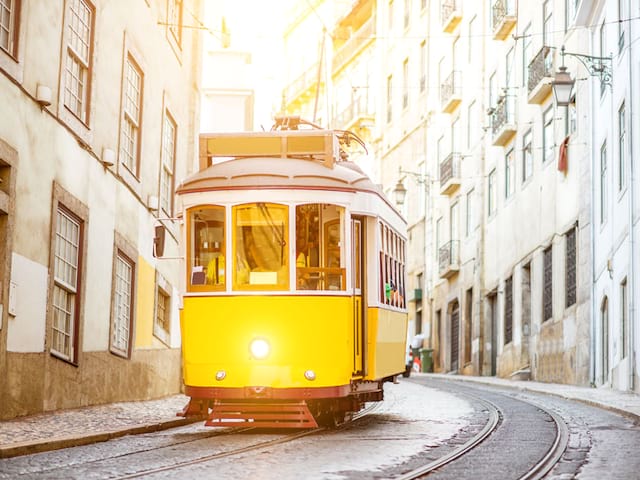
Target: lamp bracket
(596,66)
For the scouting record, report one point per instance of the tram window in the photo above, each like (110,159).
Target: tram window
(319,247)
(261,246)
(206,248)
(392,268)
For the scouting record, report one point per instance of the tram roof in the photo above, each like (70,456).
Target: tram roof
(278,172)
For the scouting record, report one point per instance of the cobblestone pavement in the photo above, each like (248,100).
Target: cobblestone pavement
(80,426)
(66,428)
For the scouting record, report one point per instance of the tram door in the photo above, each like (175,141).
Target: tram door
(357,236)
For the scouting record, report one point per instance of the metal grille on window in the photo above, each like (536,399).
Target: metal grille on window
(547,294)
(65,270)
(508,310)
(571,267)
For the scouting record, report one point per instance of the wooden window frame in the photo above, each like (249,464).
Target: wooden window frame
(126,253)
(64,202)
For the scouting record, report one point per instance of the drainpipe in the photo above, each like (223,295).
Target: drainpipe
(592,233)
(631,281)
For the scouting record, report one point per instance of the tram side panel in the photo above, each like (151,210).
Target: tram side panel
(387,337)
(304,333)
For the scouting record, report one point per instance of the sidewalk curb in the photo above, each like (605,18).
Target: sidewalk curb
(39,446)
(522,385)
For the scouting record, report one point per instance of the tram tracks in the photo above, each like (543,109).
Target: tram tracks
(496,414)
(249,448)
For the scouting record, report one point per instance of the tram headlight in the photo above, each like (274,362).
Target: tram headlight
(310,375)
(259,348)
(220,375)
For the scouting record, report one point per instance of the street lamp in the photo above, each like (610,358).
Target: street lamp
(400,191)
(563,84)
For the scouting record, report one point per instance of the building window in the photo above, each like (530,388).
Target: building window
(9,23)
(168,164)
(526,53)
(492,192)
(570,267)
(162,323)
(472,124)
(468,324)
(175,20)
(622,148)
(78,58)
(131,116)
(547,22)
(405,83)
(527,156)
(508,310)
(624,319)
(470,213)
(602,37)
(66,294)
(509,174)
(423,66)
(407,13)
(547,293)
(122,308)
(389,98)
(390,11)
(603,183)
(622,19)
(547,135)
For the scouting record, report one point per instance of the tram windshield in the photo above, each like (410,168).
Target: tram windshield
(261,259)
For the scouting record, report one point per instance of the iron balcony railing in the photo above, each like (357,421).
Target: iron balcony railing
(359,39)
(450,88)
(499,10)
(358,108)
(540,67)
(502,115)
(447,7)
(304,82)
(449,168)
(449,257)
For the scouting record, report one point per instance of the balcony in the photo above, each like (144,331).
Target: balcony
(450,14)
(415,295)
(450,92)
(302,88)
(450,174)
(502,122)
(502,20)
(540,76)
(356,114)
(449,259)
(354,45)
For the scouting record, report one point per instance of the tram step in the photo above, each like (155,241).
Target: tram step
(263,415)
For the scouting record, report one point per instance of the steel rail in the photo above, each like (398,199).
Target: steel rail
(257,446)
(491,425)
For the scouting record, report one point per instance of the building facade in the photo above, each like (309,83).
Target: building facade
(100,108)
(523,212)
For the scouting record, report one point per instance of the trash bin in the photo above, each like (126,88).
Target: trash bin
(426,359)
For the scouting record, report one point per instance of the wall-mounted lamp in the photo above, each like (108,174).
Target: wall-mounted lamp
(400,191)
(108,158)
(43,95)
(563,84)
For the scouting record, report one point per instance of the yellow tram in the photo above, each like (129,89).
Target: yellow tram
(293,311)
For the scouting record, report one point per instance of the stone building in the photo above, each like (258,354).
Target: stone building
(100,106)
(522,211)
